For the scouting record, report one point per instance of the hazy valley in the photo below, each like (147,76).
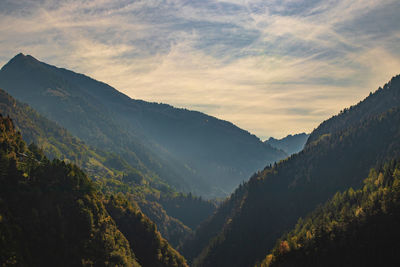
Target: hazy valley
(138,167)
(215,133)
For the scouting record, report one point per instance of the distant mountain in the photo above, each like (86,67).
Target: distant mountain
(338,155)
(290,144)
(362,226)
(189,150)
(52,215)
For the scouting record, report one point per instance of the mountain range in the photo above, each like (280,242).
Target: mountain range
(189,150)
(105,180)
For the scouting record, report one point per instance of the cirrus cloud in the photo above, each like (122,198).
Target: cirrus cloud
(271,67)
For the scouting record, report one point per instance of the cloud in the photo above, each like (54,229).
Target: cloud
(271,67)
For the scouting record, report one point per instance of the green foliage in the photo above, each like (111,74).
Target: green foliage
(50,212)
(148,245)
(359,225)
(189,209)
(56,142)
(110,171)
(171,228)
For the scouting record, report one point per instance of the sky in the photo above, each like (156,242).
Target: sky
(273,67)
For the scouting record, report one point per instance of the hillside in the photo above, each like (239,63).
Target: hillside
(359,225)
(51,214)
(57,142)
(110,172)
(290,144)
(189,150)
(376,103)
(273,199)
(147,243)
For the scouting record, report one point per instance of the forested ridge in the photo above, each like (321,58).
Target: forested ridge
(52,214)
(354,228)
(273,199)
(383,99)
(151,249)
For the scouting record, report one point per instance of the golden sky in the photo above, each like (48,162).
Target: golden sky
(271,67)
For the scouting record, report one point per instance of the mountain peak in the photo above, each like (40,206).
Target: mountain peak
(19,55)
(21,59)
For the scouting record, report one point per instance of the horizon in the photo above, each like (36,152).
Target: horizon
(273,69)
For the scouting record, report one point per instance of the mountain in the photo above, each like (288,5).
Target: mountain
(376,103)
(361,226)
(337,156)
(111,173)
(52,214)
(57,142)
(290,144)
(189,150)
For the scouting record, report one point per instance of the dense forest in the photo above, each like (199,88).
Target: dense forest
(271,202)
(354,228)
(110,172)
(52,206)
(188,150)
(149,247)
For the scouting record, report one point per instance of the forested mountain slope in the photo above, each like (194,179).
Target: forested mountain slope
(147,243)
(247,224)
(51,214)
(354,228)
(290,144)
(110,172)
(189,150)
(381,100)
(57,142)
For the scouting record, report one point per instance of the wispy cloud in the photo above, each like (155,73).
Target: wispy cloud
(271,67)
